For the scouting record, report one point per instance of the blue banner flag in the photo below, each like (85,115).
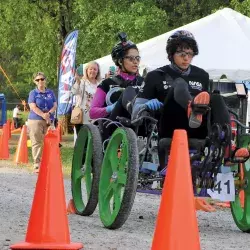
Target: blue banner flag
(66,73)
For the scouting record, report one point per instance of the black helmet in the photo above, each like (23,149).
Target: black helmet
(177,39)
(119,50)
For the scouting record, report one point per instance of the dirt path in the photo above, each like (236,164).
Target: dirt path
(217,230)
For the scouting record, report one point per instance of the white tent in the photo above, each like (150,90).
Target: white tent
(223,38)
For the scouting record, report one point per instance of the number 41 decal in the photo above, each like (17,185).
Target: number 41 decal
(224,188)
(218,188)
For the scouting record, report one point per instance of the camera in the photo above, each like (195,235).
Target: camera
(122,36)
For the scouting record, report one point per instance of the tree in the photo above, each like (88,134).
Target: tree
(141,20)
(34,44)
(241,6)
(181,12)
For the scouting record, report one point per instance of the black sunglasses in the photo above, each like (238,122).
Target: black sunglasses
(40,79)
(133,58)
(184,53)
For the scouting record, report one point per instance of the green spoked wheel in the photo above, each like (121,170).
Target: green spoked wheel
(240,208)
(118,181)
(86,166)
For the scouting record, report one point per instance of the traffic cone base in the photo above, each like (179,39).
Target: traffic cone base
(203,205)
(26,245)
(71,208)
(223,204)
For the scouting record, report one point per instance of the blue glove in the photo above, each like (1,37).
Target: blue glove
(154,104)
(110,108)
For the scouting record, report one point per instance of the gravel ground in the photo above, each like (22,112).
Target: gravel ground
(217,230)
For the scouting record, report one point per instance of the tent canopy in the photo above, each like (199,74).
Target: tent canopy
(223,39)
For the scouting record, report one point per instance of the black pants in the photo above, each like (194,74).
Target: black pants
(122,108)
(16,122)
(174,113)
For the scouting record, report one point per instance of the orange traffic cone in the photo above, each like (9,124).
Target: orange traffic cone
(59,128)
(4,144)
(12,126)
(8,128)
(176,226)
(71,208)
(48,224)
(21,155)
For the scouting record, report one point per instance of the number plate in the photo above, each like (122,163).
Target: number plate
(224,189)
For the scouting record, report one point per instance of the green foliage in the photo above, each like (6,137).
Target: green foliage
(24,115)
(141,20)
(241,6)
(181,12)
(32,31)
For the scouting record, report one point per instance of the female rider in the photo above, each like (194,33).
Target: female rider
(114,94)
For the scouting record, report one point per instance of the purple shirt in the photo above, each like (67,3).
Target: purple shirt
(44,101)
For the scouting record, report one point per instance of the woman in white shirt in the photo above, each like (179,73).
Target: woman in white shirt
(85,89)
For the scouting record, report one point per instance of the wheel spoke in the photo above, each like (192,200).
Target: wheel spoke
(124,155)
(109,192)
(113,161)
(78,174)
(121,177)
(117,198)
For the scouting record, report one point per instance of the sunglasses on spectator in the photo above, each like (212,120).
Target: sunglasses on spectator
(183,54)
(133,58)
(40,79)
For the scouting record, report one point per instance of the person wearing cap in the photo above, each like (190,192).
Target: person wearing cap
(176,92)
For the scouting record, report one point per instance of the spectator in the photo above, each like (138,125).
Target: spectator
(42,103)
(16,116)
(111,72)
(84,90)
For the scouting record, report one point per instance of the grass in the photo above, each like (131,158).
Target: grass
(66,153)
(24,115)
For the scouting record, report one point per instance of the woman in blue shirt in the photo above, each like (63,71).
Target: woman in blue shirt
(42,103)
